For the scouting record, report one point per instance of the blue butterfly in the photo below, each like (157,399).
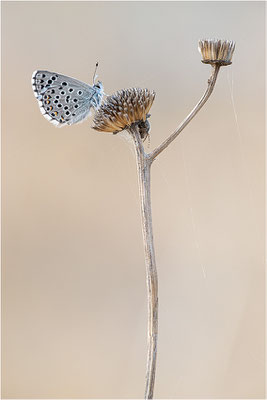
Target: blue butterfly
(64,100)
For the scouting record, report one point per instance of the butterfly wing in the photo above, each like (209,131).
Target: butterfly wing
(64,100)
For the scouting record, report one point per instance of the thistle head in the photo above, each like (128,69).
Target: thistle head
(218,52)
(124,108)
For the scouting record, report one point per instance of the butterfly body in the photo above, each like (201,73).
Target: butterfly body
(64,100)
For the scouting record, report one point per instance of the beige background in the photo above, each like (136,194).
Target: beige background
(74,295)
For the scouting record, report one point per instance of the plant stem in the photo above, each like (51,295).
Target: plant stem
(144,162)
(200,104)
(143,167)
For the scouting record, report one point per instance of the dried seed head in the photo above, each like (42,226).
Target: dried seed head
(216,51)
(123,109)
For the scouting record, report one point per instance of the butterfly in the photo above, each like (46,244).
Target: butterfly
(64,100)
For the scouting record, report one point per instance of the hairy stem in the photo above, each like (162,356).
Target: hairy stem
(200,104)
(143,167)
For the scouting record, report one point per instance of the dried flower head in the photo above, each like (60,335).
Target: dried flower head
(216,51)
(124,108)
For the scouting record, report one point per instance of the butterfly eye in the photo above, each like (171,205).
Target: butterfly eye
(64,83)
(98,85)
(80,92)
(70,90)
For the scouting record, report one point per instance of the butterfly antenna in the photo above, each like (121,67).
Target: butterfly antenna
(95,76)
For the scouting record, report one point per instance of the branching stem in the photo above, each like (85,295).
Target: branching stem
(143,167)
(200,104)
(144,162)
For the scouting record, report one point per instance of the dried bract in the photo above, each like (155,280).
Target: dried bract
(216,51)
(122,109)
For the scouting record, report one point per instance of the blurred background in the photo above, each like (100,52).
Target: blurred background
(73,278)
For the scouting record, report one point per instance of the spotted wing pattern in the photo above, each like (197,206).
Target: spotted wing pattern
(64,100)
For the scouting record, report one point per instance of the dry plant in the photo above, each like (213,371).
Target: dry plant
(66,101)
(129,110)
